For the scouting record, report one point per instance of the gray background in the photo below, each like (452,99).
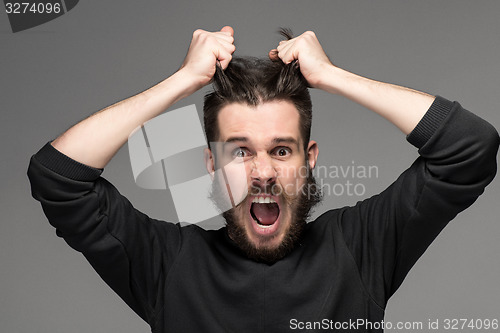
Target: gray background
(103,51)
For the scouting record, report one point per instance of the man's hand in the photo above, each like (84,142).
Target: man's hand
(307,50)
(206,49)
(96,139)
(402,106)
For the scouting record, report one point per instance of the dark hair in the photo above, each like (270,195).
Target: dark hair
(252,81)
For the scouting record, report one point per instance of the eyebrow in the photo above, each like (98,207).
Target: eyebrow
(289,140)
(236,139)
(276,140)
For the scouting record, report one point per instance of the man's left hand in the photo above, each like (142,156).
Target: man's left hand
(307,50)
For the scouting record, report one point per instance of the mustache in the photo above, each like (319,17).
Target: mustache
(269,189)
(274,189)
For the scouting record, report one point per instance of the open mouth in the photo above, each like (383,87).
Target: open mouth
(265,212)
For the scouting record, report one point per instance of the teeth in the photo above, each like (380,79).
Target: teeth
(263,200)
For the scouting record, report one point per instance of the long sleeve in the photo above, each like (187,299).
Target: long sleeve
(387,233)
(129,250)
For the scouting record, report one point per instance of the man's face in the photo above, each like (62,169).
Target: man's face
(266,138)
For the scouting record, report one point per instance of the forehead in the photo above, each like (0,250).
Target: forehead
(266,120)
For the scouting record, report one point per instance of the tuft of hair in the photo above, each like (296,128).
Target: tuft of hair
(251,81)
(286,32)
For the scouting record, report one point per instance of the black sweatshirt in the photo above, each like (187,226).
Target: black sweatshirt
(352,259)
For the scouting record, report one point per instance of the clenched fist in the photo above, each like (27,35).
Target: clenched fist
(308,51)
(206,49)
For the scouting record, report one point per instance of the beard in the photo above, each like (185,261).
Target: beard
(300,206)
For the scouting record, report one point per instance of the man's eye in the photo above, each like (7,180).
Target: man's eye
(240,152)
(282,151)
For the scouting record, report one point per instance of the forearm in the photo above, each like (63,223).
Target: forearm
(402,106)
(95,140)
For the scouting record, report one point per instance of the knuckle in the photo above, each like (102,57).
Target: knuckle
(198,32)
(300,42)
(205,37)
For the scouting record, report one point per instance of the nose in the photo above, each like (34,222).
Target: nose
(263,172)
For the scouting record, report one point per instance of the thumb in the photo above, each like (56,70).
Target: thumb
(228,29)
(273,55)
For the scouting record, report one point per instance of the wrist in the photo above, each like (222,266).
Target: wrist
(184,83)
(336,80)
(166,93)
(329,79)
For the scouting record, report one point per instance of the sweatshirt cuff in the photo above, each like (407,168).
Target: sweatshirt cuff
(430,122)
(63,165)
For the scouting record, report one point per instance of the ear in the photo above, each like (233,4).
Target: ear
(209,162)
(312,153)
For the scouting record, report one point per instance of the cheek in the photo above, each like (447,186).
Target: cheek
(291,178)
(293,171)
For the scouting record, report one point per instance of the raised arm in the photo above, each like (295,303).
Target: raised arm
(129,250)
(95,140)
(402,106)
(387,233)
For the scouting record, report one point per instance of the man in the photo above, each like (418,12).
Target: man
(267,271)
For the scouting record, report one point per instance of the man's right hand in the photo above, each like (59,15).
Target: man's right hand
(206,49)
(95,140)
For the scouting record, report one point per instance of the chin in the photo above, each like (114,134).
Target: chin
(266,228)
(265,239)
